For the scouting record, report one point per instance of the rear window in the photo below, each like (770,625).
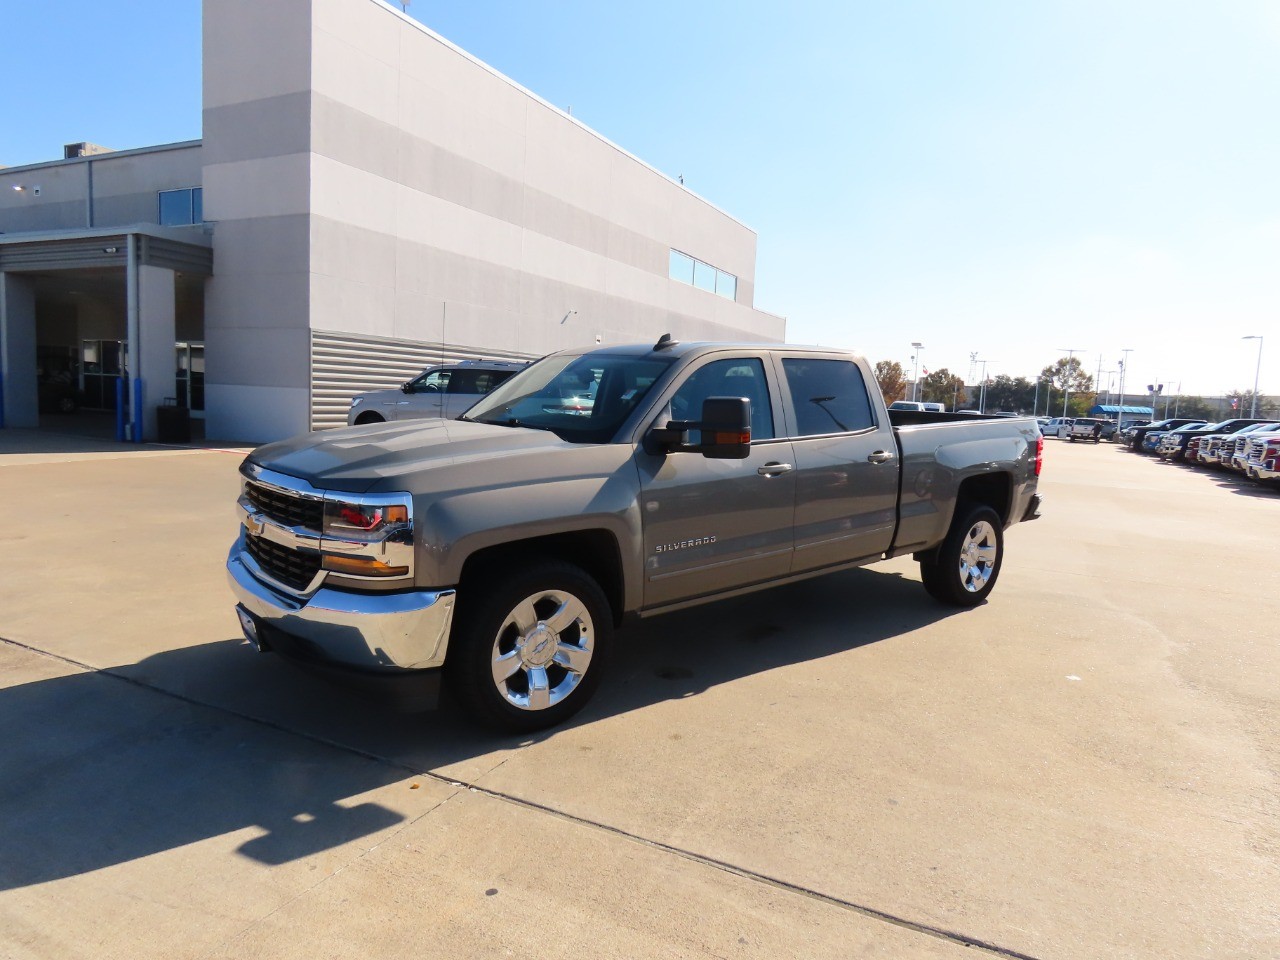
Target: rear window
(829,396)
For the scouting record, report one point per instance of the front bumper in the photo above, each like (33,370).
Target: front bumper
(1266,472)
(380,632)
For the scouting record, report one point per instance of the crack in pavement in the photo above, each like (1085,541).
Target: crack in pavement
(940,933)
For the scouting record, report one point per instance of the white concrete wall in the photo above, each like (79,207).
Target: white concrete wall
(436,181)
(156,364)
(367,177)
(257,184)
(125,187)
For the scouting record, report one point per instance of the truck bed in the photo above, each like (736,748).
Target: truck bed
(941,451)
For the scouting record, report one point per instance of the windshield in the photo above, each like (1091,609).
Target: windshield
(580,398)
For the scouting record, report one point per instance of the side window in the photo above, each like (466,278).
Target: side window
(829,396)
(500,376)
(742,377)
(434,382)
(464,381)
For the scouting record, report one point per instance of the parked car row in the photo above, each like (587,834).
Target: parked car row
(1245,445)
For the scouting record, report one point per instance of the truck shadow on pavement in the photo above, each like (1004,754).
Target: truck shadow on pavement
(215,741)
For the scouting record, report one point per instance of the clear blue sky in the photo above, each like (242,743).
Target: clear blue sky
(1006,178)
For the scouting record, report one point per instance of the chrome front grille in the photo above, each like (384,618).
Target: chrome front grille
(284,507)
(294,568)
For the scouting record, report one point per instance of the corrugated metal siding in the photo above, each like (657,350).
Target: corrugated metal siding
(182,257)
(343,365)
(65,254)
(105,251)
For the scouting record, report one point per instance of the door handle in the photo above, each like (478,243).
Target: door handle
(880,456)
(774,469)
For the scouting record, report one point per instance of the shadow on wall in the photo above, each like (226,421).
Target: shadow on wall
(98,771)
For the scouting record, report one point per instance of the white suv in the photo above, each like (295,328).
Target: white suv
(447,391)
(1059,427)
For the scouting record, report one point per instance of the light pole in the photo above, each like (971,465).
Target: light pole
(1110,374)
(1253,412)
(915,371)
(982,392)
(1124,367)
(1066,380)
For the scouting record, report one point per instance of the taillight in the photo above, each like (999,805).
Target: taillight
(1039,454)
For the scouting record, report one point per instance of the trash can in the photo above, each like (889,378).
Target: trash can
(173,423)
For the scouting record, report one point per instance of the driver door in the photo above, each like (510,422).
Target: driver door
(424,396)
(714,525)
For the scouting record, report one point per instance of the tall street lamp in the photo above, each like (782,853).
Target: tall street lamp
(1066,386)
(1253,412)
(982,393)
(1124,368)
(915,370)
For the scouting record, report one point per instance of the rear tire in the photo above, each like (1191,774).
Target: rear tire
(529,644)
(964,568)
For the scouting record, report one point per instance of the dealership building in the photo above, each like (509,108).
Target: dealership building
(366,199)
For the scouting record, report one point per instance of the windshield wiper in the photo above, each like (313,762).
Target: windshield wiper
(510,422)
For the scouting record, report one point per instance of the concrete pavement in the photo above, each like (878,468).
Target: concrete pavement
(1083,767)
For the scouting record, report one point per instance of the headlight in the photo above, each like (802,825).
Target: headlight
(356,401)
(369,536)
(358,520)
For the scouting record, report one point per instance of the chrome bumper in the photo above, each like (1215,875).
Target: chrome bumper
(368,631)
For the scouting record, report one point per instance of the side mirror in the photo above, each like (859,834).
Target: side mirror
(725,428)
(406,387)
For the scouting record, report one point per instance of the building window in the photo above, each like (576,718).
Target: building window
(702,275)
(181,208)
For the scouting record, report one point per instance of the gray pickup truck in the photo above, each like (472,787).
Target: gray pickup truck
(499,551)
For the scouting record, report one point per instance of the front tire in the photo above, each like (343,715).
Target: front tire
(369,418)
(963,570)
(528,650)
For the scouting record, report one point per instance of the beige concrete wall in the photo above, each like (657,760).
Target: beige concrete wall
(443,196)
(365,176)
(257,183)
(125,188)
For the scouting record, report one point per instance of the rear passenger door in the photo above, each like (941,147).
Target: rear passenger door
(846,462)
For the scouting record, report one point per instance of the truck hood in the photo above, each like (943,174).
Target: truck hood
(359,459)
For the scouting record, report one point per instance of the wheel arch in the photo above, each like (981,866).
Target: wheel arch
(994,490)
(593,550)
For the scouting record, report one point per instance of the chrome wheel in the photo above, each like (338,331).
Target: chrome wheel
(542,650)
(978,553)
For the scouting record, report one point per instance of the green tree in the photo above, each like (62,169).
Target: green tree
(1185,407)
(892,379)
(942,386)
(1068,373)
(1014,395)
(1244,403)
